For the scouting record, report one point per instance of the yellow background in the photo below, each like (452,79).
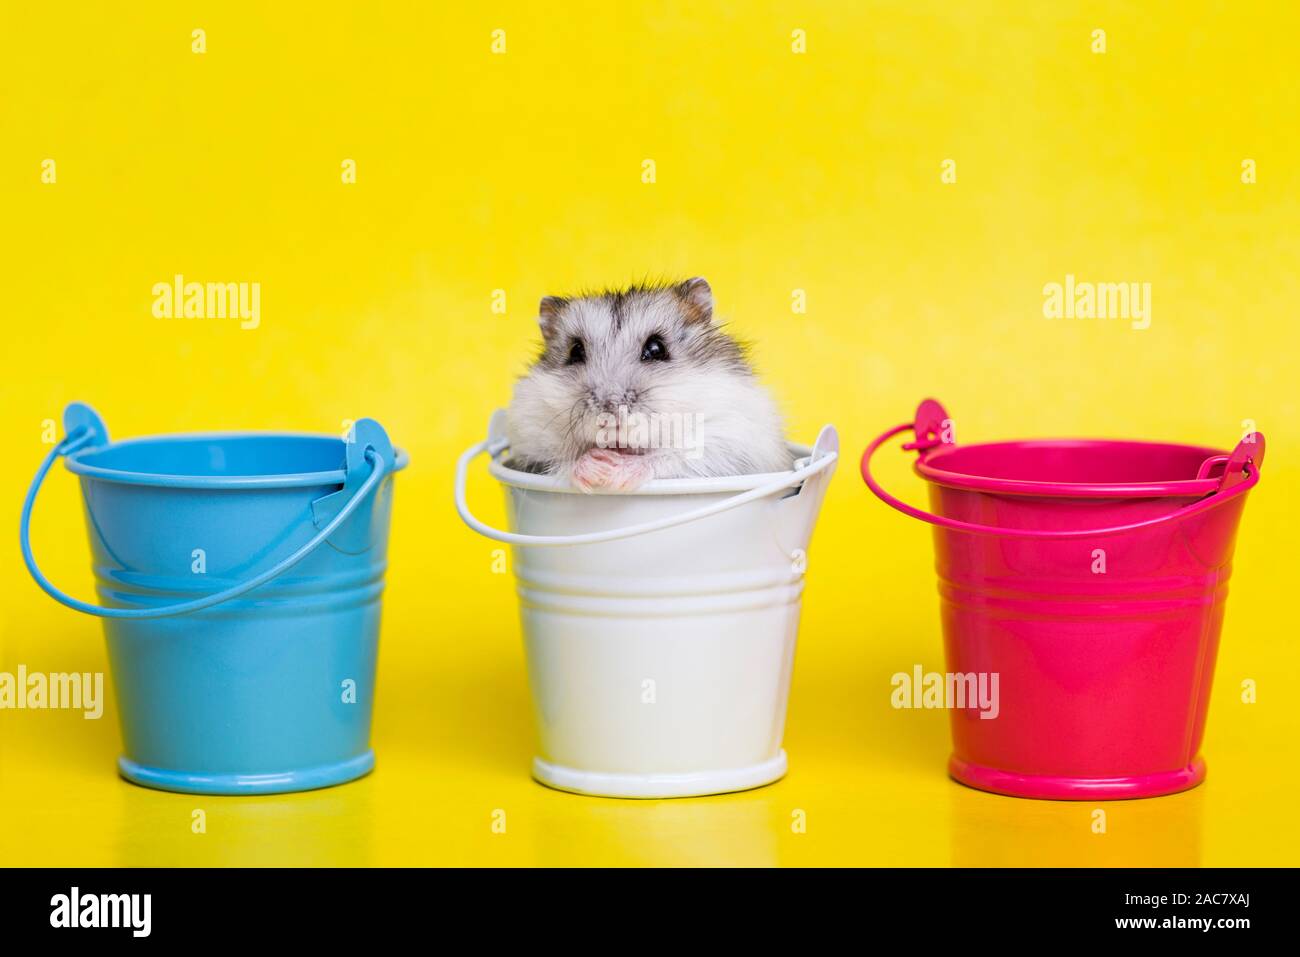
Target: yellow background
(522,172)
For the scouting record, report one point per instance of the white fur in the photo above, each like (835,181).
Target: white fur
(555,419)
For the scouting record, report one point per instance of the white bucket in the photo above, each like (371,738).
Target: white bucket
(660,639)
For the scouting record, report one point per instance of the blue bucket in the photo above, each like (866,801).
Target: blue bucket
(241,577)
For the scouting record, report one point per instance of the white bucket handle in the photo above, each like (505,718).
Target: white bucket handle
(824,454)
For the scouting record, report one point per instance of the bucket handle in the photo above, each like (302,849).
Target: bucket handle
(824,454)
(83,428)
(1241,473)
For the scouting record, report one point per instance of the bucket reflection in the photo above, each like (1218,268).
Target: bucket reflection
(989,830)
(727,831)
(330,827)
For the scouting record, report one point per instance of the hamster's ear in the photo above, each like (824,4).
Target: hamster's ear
(698,298)
(548,314)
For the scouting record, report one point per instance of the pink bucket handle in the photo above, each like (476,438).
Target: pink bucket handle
(933,427)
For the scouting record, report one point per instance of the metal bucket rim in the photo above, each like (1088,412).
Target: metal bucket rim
(1167,488)
(535,481)
(78,464)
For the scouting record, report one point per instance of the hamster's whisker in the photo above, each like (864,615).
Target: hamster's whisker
(575,418)
(551,421)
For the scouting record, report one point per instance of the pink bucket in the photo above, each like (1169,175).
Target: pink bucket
(1091,577)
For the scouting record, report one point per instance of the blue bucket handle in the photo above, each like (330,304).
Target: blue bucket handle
(84,428)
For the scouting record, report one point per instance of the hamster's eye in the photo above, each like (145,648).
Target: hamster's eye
(577,353)
(654,350)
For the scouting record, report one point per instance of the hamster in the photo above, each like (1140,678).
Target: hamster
(640,383)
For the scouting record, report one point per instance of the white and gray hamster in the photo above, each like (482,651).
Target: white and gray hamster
(640,383)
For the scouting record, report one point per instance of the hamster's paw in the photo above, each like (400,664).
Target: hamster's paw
(609,468)
(595,469)
(633,472)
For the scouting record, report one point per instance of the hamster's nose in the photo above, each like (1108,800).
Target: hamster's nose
(611,401)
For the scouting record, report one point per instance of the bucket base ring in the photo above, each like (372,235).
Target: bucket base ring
(690,784)
(1056,788)
(280,782)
